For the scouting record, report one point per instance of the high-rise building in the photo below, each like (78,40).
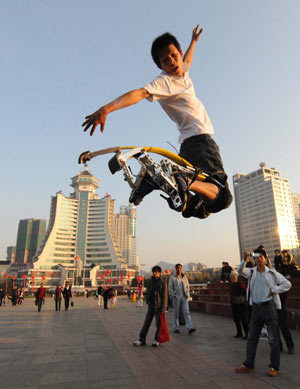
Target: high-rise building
(81,229)
(11,254)
(126,233)
(31,232)
(296,206)
(264,211)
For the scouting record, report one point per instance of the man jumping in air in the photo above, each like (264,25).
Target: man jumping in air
(175,92)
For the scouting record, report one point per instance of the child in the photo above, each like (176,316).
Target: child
(140,295)
(156,298)
(174,91)
(113,299)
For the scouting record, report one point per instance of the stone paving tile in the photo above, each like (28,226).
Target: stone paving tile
(115,383)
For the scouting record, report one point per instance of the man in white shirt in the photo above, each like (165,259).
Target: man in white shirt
(175,92)
(264,286)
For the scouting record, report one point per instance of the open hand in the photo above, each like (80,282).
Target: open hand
(196,34)
(95,119)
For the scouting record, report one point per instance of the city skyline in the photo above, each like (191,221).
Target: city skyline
(55,72)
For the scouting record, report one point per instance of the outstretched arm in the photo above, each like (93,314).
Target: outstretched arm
(99,116)
(189,54)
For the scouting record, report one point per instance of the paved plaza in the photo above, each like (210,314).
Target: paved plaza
(88,348)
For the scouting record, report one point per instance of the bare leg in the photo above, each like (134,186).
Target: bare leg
(205,189)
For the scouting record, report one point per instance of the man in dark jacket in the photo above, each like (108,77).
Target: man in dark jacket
(278,261)
(2,295)
(14,296)
(156,298)
(107,295)
(40,296)
(67,293)
(225,273)
(57,297)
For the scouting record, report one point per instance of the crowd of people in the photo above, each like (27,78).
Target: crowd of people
(258,295)
(15,297)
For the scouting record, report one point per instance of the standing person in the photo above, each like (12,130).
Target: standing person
(278,261)
(100,297)
(175,92)
(14,296)
(40,296)
(250,263)
(67,293)
(107,295)
(264,285)
(156,298)
(20,296)
(283,324)
(238,305)
(57,297)
(225,273)
(113,298)
(140,294)
(179,289)
(2,297)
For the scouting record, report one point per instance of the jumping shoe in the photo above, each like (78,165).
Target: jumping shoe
(178,202)
(146,186)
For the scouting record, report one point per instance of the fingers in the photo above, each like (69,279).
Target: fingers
(93,129)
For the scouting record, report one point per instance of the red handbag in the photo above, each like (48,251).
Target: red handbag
(163,332)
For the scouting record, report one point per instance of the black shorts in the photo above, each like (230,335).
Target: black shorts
(203,152)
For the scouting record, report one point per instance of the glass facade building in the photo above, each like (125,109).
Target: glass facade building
(31,233)
(126,233)
(264,211)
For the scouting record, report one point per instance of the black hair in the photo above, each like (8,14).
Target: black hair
(160,43)
(178,264)
(261,250)
(156,268)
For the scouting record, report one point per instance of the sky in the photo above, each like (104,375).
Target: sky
(61,60)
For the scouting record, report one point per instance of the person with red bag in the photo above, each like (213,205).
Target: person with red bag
(156,298)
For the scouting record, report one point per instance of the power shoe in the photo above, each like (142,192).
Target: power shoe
(180,201)
(146,186)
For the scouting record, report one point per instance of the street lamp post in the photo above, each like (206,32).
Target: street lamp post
(32,284)
(6,279)
(24,276)
(14,279)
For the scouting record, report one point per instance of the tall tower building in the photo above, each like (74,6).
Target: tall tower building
(81,228)
(296,206)
(126,233)
(264,211)
(31,232)
(11,254)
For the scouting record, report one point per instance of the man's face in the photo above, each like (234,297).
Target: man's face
(156,274)
(260,261)
(178,270)
(171,60)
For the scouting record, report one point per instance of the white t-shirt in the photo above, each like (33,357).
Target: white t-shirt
(177,97)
